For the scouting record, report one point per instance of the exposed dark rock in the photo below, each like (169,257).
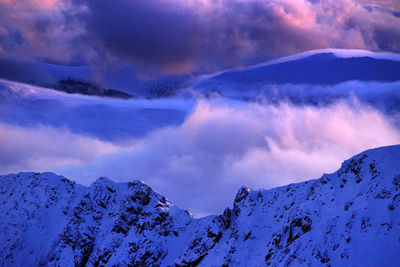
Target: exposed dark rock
(72,86)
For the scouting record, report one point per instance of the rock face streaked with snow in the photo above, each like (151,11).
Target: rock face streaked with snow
(348,218)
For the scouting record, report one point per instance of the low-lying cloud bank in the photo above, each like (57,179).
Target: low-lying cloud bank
(44,148)
(222,145)
(384,96)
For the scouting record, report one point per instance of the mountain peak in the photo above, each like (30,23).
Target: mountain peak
(103,181)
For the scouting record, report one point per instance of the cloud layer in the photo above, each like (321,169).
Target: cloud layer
(177,36)
(221,146)
(42,148)
(197,160)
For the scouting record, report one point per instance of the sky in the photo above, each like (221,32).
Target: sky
(196,151)
(177,37)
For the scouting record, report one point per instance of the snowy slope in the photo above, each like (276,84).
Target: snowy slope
(316,77)
(105,118)
(122,77)
(322,69)
(348,218)
(335,65)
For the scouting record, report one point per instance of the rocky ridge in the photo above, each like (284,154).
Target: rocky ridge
(348,218)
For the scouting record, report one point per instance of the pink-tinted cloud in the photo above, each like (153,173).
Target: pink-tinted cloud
(27,149)
(223,145)
(40,29)
(43,4)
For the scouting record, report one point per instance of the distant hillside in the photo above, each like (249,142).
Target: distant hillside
(317,69)
(72,86)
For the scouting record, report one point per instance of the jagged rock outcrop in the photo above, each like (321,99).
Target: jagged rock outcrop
(348,218)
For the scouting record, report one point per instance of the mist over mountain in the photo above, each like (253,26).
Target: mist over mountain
(197,140)
(260,134)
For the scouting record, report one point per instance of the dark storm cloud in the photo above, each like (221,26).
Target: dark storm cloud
(142,31)
(181,36)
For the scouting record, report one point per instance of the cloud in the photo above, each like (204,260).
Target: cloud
(42,29)
(391,4)
(223,145)
(42,148)
(177,36)
(182,36)
(381,95)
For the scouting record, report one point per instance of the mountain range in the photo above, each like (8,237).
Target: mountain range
(347,218)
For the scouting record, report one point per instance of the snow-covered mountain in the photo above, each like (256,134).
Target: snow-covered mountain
(318,77)
(319,67)
(348,218)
